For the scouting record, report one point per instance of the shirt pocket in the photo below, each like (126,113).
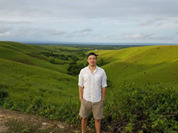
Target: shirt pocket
(86,77)
(98,79)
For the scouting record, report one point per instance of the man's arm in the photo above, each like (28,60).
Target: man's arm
(81,85)
(104,85)
(80,93)
(103,94)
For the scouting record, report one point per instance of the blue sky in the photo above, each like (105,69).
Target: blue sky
(102,21)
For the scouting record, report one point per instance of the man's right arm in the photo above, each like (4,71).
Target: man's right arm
(80,84)
(80,93)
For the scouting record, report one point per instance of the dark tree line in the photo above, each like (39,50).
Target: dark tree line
(74,68)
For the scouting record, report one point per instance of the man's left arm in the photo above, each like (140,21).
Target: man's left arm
(103,94)
(104,85)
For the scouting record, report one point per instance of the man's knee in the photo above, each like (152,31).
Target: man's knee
(85,119)
(98,120)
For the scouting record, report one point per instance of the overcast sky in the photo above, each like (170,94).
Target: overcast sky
(114,21)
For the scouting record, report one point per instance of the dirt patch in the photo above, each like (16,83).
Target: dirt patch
(13,120)
(16,122)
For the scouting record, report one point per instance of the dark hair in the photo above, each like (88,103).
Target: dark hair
(92,53)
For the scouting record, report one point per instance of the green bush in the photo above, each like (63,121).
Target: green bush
(67,112)
(149,109)
(128,109)
(3,94)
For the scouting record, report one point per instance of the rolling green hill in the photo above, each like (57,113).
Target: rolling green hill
(30,55)
(133,65)
(25,80)
(142,65)
(26,75)
(34,79)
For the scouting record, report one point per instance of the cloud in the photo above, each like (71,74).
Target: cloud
(55,32)
(14,22)
(90,20)
(84,31)
(151,37)
(160,21)
(88,8)
(137,36)
(4,32)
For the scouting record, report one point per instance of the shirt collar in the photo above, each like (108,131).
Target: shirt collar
(89,68)
(95,69)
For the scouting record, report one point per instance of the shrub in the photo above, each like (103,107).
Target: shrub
(3,94)
(148,109)
(128,109)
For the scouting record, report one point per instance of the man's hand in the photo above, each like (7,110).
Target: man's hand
(102,100)
(81,99)
(80,93)
(103,94)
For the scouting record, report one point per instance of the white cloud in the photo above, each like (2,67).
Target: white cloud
(134,36)
(90,20)
(4,33)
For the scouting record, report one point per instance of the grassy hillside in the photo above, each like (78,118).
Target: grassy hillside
(24,80)
(142,83)
(34,55)
(142,65)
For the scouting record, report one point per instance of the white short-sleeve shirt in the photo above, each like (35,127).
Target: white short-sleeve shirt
(92,83)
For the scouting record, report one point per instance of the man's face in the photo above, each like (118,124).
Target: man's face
(92,60)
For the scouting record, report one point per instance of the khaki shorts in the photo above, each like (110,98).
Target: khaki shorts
(87,106)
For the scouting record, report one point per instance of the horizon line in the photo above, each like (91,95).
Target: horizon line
(91,43)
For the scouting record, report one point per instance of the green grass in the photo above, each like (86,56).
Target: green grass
(35,85)
(142,65)
(21,53)
(24,80)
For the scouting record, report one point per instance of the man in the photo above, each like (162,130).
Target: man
(92,90)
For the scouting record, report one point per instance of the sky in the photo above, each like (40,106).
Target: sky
(89,21)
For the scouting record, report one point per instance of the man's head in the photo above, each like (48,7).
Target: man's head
(92,58)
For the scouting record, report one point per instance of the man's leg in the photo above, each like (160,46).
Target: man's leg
(97,109)
(84,113)
(98,125)
(84,124)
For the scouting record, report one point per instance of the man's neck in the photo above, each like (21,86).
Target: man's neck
(92,67)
